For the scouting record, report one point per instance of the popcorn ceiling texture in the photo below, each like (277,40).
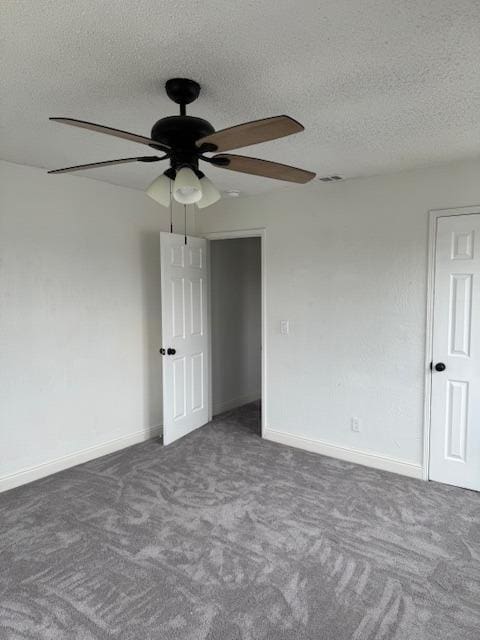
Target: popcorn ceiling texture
(380,85)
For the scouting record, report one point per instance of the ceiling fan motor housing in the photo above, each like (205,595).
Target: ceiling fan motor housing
(180,133)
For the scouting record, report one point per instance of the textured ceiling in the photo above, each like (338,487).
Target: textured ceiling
(379,85)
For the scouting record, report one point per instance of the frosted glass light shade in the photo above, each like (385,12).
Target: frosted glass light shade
(186,188)
(210,193)
(159,190)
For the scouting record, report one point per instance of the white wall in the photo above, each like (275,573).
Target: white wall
(80,372)
(236,322)
(80,313)
(346,263)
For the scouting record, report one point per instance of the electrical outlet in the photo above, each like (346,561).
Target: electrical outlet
(355,424)
(285,327)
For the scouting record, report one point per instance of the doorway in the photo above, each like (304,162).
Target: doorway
(453,354)
(187,337)
(237,321)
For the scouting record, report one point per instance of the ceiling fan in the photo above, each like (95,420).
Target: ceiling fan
(185,140)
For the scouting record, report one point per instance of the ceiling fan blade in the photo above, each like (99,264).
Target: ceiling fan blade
(118,133)
(263,168)
(107,163)
(248,133)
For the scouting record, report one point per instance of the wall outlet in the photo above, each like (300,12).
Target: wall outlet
(284,327)
(355,424)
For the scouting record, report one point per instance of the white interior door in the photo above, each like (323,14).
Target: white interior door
(455,410)
(184,335)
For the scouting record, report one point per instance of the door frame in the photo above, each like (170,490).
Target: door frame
(259,232)
(433,216)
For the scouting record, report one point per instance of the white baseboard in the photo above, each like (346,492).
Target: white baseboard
(374,460)
(78,457)
(233,403)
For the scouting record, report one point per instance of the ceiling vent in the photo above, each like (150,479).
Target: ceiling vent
(330,178)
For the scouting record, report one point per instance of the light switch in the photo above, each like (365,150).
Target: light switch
(284,327)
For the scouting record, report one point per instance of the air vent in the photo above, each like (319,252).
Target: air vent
(330,178)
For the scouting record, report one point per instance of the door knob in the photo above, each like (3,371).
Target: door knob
(171,352)
(440,366)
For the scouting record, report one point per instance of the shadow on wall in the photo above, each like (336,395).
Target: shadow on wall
(152,328)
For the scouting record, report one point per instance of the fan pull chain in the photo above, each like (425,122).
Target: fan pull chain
(185,220)
(171,209)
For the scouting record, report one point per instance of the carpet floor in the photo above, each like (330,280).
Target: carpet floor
(224,536)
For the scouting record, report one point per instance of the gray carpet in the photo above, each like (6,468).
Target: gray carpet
(223,536)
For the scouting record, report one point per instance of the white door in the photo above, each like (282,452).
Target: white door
(455,410)
(184,334)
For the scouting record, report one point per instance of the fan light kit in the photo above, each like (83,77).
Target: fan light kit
(185,141)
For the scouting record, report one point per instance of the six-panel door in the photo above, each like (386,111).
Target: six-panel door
(455,409)
(184,330)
